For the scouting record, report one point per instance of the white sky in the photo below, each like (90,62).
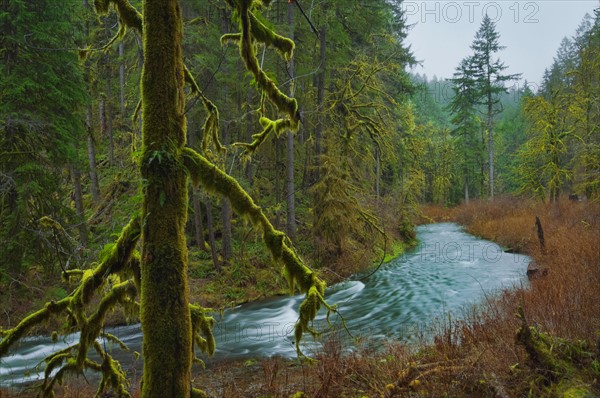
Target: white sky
(531,31)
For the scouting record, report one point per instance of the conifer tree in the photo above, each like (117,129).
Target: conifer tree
(463,109)
(490,82)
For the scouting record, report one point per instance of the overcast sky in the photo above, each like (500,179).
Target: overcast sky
(531,31)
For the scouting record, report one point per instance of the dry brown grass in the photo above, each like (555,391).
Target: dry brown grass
(564,303)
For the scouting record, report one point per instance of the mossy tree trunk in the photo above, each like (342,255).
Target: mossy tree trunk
(164,312)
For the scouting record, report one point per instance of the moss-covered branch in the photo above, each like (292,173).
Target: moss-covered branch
(13,335)
(252,29)
(128,15)
(119,258)
(278,127)
(202,326)
(205,173)
(562,363)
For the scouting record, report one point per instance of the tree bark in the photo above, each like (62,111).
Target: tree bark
(249,169)
(490,146)
(226,236)
(196,198)
(164,302)
(320,100)
(211,236)
(198,224)
(277,183)
(122,78)
(94,185)
(109,114)
(78,199)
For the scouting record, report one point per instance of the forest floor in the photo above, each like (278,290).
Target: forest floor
(542,340)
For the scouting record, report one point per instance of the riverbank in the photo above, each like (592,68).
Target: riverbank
(552,350)
(553,347)
(487,355)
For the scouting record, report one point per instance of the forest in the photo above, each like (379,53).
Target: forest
(161,162)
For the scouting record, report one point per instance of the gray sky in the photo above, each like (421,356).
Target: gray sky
(530,30)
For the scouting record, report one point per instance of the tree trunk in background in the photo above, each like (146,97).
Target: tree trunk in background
(226,214)
(198,224)
(122,79)
(109,115)
(164,297)
(277,183)
(78,199)
(466,189)
(291,189)
(94,185)
(226,211)
(211,236)
(320,100)
(226,236)
(249,169)
(106,125)
(490,146)
(196,198)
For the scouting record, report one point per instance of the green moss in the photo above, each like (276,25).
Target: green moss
(278,127)
(128,15)
(117,258)
(202,326)
(249,23)
(562,364)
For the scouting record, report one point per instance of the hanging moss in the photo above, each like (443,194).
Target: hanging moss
(202,326)
(278,127)
(128,15)
(11,336)
(91,329)
(115,261)
(262,34)
(245,40)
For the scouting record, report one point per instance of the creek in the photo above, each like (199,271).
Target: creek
(439,279)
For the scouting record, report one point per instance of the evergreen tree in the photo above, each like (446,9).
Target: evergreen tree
(468,126)
(490,82)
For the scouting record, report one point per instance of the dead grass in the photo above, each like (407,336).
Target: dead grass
(563,304)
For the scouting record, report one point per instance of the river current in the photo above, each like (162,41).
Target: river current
(440,278)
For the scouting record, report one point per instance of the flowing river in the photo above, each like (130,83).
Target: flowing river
(446,273)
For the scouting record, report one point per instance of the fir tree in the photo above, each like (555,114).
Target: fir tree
(490,82)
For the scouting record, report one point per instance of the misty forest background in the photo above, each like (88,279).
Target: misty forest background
(376,140)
